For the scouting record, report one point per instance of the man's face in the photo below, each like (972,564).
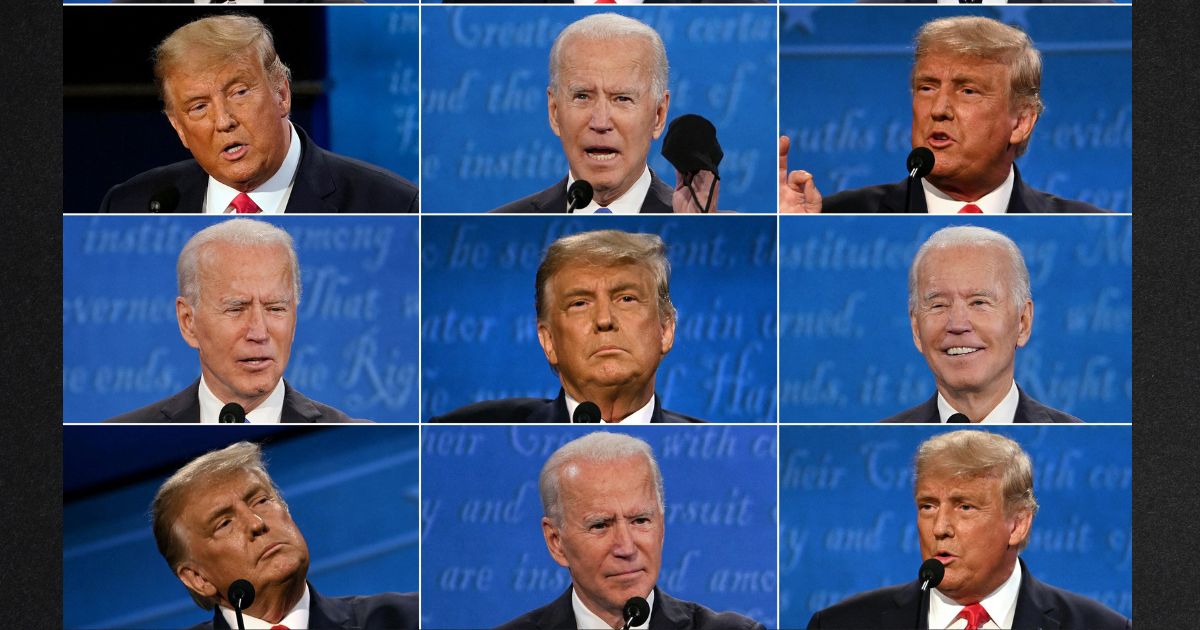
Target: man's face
(965,322)
(962,523)
(232,119)
(604,112)
(612,533)
(601,328)
(236,527)
(244,321)
(962,112)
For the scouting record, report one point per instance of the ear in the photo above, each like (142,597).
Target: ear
(175,124)
(195,581)
(668,335)
(660,114)
(186,315)
(1022,521)
(554,542)
(916,332)
(552,110)
(547,340)
(1023,126)
(285,99)
(1025,324)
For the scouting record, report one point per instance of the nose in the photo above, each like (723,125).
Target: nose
(225,119)
(943,527)
(601,120)
(256,325)
(959,318)
(622,542)
(605,316)
(942,109)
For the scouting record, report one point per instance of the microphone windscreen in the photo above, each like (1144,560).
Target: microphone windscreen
(691,145)
(932,571)
(586,412)
(920,160)
(579,195)
(165,199)
(959,418)
(241,594)
(232,413)
(636,611)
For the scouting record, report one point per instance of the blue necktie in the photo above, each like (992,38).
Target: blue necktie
(603,211)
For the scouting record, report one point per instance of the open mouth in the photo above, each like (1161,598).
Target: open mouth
(940,139)
(234,151)
(945,557)
(959,351)
(601,154)
(255,363)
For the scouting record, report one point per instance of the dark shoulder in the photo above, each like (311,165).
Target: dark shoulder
(858,611)
(133,194)
(671,416)
(372,182)
(503,410)
(705,618)
(1077,611)
(857,200)
(149,413)
(398,611)
(524,204)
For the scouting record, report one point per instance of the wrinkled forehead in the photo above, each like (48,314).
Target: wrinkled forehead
(219,259)
(585,59)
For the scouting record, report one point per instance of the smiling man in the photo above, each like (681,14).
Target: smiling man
(976,97)
(227,95)
(971,308)
(975,509)
(220,518)
(239,292)
(605,321)
(602,500)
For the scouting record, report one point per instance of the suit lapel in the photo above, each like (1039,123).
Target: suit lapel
(1033,609)
(904,614)
(297,407)
(313,182)
(558,614)
(928,412)
(553,199)
(324,612)
(893,199)
(669,613)
(192,190)
(553,411)
(184,406)
(1029,410)
(658,198)
(656,416)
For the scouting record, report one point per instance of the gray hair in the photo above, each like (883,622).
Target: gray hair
(970,454)
(992,40)
(607,26)
(217,40)
(600,446)
(169,501)
(240,232)
(607,248)
(970,235)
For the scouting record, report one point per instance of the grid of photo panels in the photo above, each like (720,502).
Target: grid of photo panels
(363,408)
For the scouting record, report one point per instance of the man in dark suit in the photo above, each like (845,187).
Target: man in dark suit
(976,97)
(228,96)
(602,499)
(239,292)
(605,321)
(975,509)
(608,100)
(221,518)
(971,307)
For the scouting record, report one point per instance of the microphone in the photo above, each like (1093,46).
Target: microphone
(241,595)
(691,146)
(233,413)
(587,412)
(579,195)
(164,199)
(919,164)
(959,418)
(929,575)
(636,611)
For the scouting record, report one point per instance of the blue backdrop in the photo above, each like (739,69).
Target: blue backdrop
(486,139)
(356,339)
(846,350)
(479,328)
(484,560)
(846,104)
(848,521)
(352,491)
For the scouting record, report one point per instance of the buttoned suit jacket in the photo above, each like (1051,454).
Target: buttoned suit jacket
(1028,410)
(185,407)
(385,611)
(538,410)
(1039,607)
(325,182)
(554,199)
(668,614)
(890,198)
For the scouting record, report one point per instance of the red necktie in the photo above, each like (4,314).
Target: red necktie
(243,204)
(606,1)
(280,626)
(970,209)
(975,615)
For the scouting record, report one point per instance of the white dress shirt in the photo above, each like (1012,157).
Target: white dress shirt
(641,416)
(629,203)
(1001,606)
(586,620)
(269,412)
(995,202)
(1003,413)
(296,619)
(272,196)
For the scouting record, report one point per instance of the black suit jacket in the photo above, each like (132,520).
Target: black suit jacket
(890,198)
(668,614)
(1028,410)
(385,611)
(185,407)
(538,410)
(1039,606)
(325,182)
(554,199)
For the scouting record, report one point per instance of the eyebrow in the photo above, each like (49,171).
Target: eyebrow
(254,489)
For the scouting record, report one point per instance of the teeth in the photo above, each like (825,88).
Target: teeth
(234,148)
(957,351)
(602,156)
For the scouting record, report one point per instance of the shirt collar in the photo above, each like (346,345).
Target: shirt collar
(1003,413)
(269,412)
(272,196)
(629,203)
(1000,604)
(995,202)
(641,416)
(297,617)
(586,620)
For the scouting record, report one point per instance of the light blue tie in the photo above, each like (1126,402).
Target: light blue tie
(603,211)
